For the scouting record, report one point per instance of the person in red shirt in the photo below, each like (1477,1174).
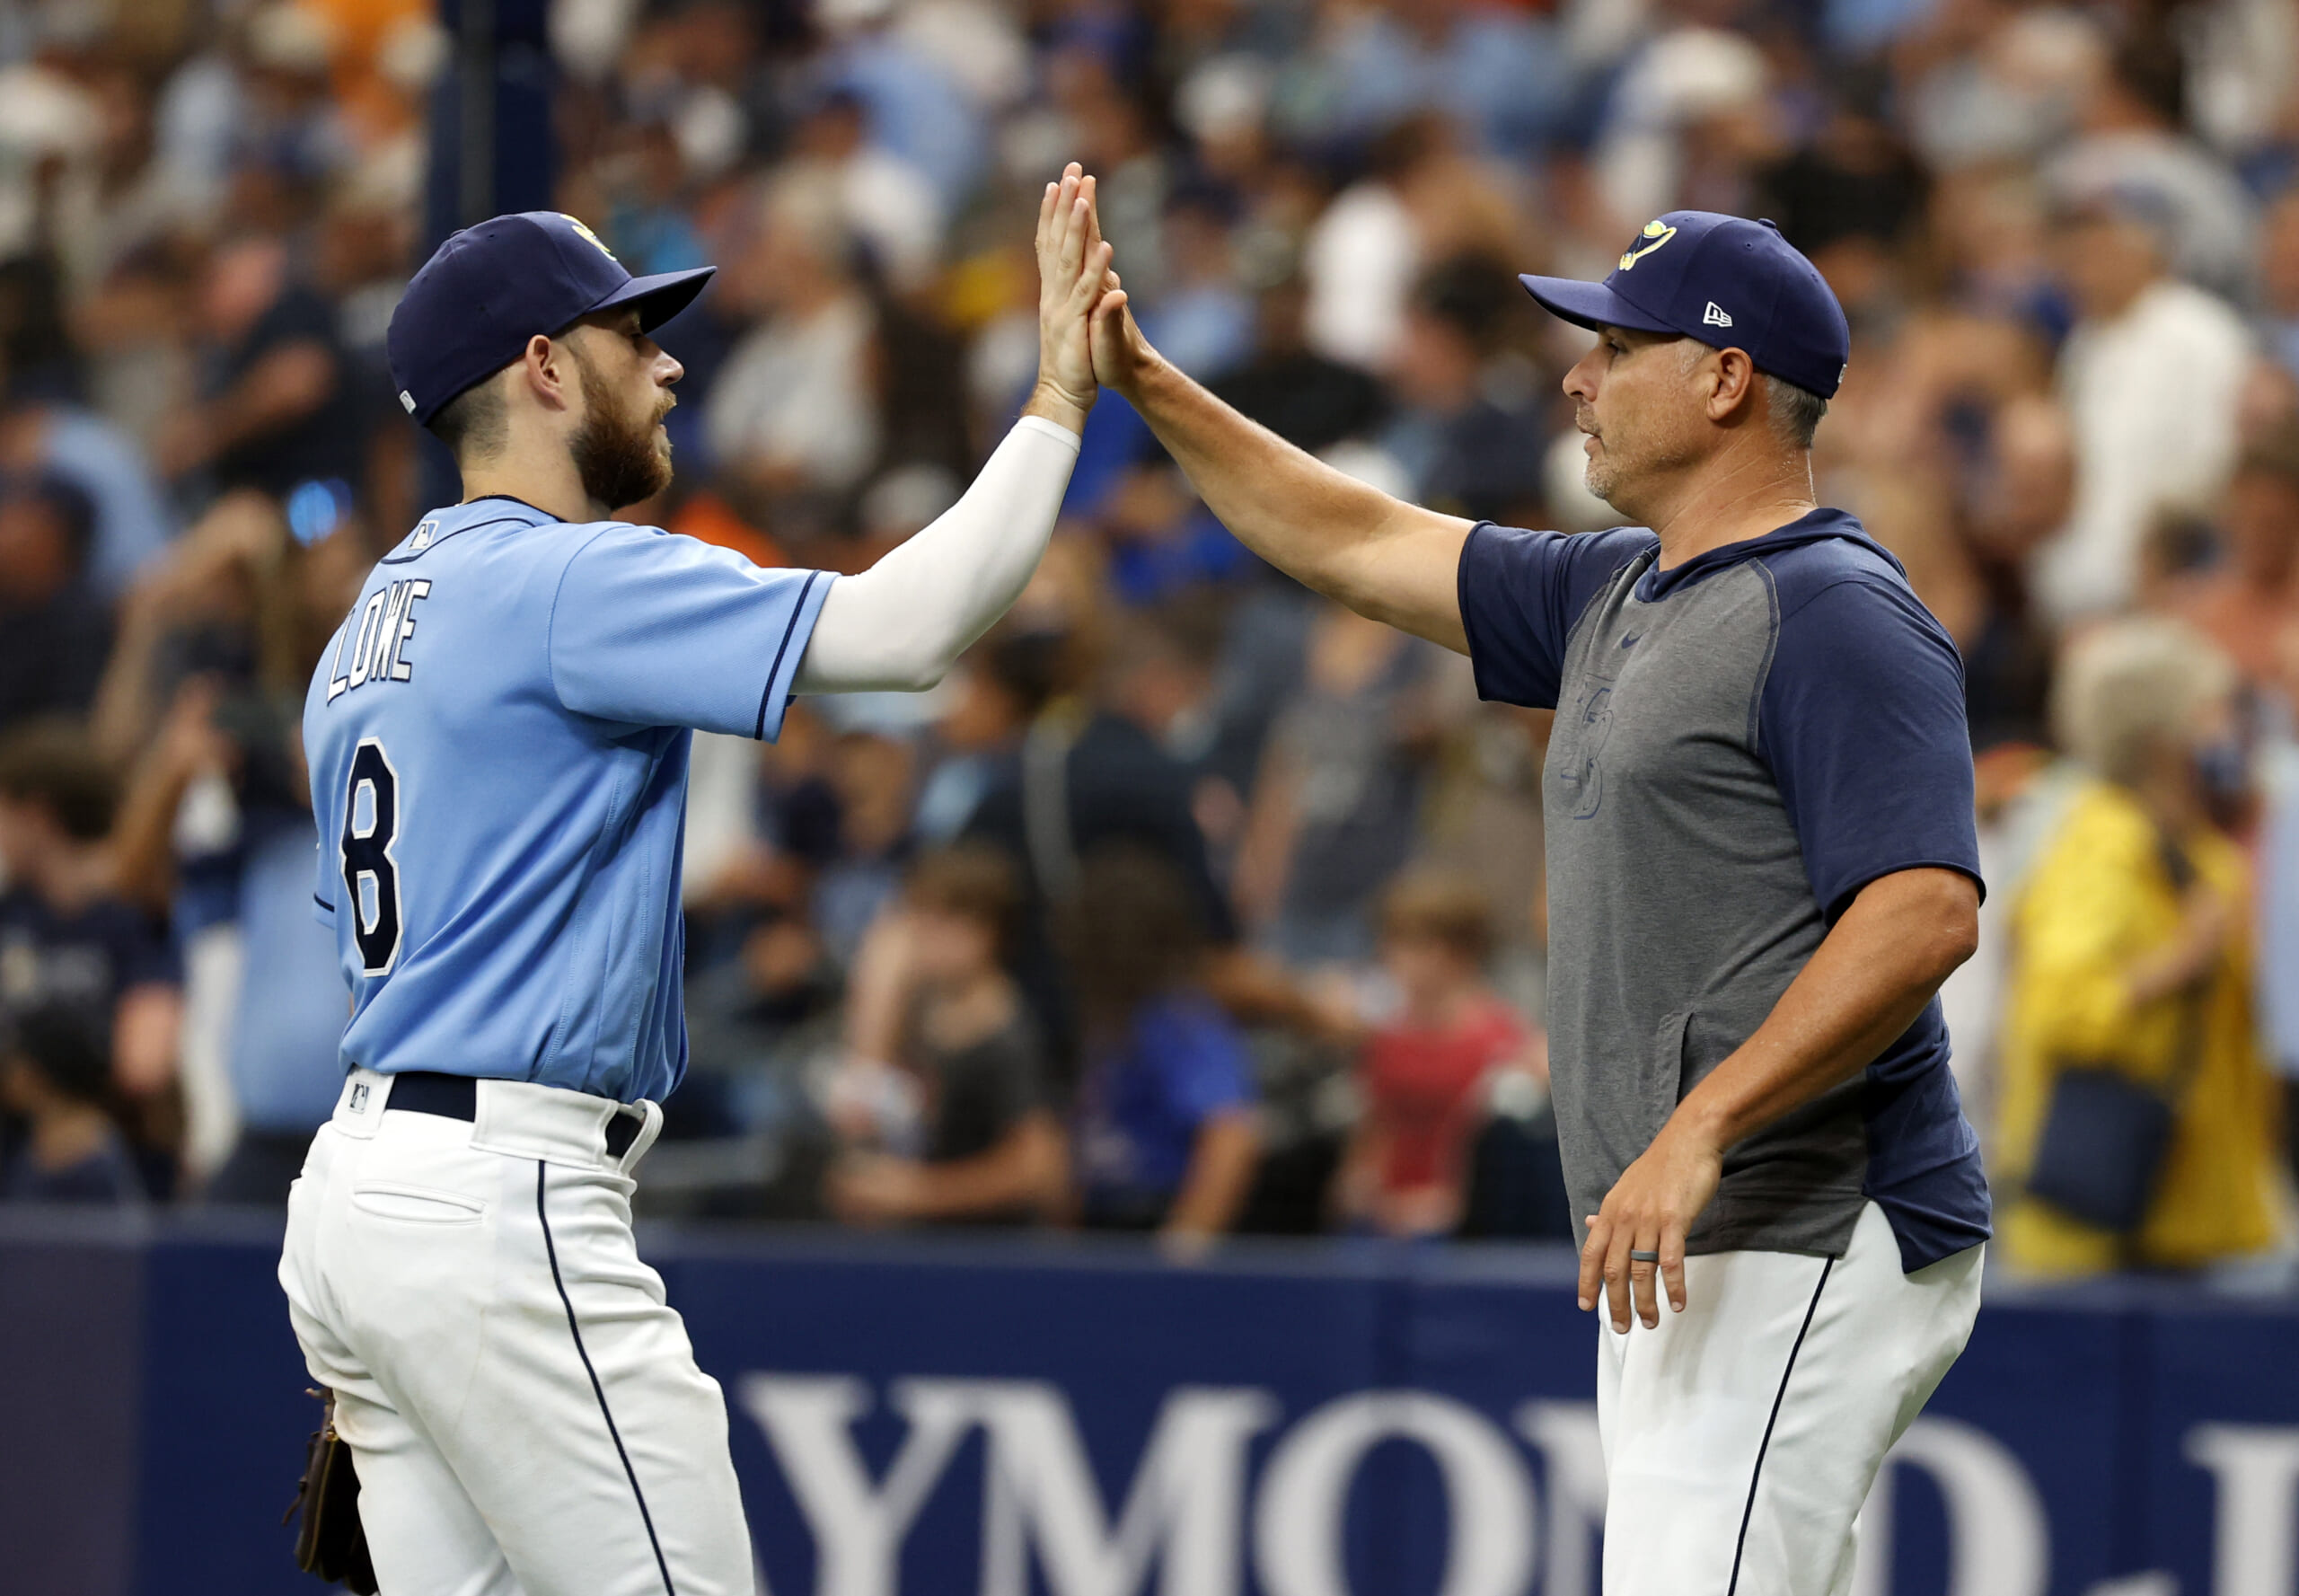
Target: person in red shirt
(1426,1073)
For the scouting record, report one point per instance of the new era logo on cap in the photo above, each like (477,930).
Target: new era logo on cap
(1713,316)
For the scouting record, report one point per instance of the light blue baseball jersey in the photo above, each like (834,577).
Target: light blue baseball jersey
(498,738)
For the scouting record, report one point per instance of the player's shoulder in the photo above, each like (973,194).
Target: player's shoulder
(1830,557)
(1842,598)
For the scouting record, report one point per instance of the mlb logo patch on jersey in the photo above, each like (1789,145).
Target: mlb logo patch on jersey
(359,1096)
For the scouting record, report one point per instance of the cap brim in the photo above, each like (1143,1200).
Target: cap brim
(658,297)
(1592,305)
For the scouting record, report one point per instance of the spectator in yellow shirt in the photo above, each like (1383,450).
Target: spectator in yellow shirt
(2115,967)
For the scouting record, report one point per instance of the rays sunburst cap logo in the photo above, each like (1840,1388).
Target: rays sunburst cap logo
(598,243)
(1654,235)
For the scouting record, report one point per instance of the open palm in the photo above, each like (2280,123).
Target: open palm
(1073,264)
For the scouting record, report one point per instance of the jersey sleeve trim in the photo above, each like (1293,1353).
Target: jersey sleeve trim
(775,700)
(323,912)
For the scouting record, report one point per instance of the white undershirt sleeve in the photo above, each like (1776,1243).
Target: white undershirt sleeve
(903,622)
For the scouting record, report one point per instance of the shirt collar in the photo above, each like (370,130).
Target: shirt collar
(515,499)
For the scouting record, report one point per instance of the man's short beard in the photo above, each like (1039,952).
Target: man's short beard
(1601,479)
(1614,482)
(614,455)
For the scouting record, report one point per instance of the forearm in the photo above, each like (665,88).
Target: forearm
(903,622)
(1025,1170)
(878,987)
(1865,985)
(120,719)
(1383,558)
(1356,1184)
(2187,959)
(147,1026)
(142,861)
(1220,1174)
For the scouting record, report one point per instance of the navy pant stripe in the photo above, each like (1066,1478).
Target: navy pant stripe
(1741,1545)
(597,1389)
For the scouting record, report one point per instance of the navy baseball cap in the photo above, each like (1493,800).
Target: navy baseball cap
(490,288)
(1726,281)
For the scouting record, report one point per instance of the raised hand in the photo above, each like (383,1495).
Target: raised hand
(1073,271)
(1120,354)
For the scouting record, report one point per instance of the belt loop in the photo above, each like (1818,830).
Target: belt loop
(646,1137)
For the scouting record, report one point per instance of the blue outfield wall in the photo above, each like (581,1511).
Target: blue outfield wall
(1003,1417)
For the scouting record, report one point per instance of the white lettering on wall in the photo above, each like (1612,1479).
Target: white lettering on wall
(2255,1549)
(1183,1511)
(1298,1545)
(1999,1542)
(1573,1455)
(858,1529)
(1177,1527)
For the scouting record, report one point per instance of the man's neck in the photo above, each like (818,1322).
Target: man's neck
(1737,497)
(554,487)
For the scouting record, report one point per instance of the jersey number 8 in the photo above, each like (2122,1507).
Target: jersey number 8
(367,861)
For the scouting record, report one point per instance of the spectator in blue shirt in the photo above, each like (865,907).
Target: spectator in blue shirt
(1166,1136)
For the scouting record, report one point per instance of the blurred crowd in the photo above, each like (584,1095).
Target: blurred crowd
(1190,903)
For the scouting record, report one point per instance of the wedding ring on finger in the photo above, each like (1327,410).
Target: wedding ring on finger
(1637,1255)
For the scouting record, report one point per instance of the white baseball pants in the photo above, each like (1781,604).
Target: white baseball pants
(524,1407)
(1742,1434)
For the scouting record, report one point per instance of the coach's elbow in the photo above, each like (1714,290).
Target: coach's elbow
(1956,939)
(1944,918)
(1925,922)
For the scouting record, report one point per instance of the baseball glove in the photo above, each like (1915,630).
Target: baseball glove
(329,1542)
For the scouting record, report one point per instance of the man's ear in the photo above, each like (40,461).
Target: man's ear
(548,369)
(1733,385)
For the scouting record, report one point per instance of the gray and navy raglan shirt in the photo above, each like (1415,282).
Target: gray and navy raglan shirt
(1742,743)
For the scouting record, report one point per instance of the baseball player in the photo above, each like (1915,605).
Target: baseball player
(1762,864)
(497,739)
